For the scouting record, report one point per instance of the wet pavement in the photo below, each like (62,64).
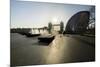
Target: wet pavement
(63,49)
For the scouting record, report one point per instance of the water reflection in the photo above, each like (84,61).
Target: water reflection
(56,52)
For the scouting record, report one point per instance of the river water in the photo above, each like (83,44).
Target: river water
(63,49)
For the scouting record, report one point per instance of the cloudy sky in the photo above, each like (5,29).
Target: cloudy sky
(38,14)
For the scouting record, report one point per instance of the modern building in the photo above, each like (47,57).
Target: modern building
(78,22)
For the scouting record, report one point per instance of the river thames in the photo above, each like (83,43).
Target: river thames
(63,49)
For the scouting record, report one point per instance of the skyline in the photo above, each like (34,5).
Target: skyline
(39,14)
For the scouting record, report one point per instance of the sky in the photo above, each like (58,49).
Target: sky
(30,14)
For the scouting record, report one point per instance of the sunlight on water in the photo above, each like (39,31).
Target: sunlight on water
(56,52)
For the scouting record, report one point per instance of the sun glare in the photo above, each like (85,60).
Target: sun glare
(54,20)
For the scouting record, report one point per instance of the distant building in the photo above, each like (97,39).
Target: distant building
(56,27)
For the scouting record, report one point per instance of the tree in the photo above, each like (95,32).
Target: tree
(49,27)
(61,27)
